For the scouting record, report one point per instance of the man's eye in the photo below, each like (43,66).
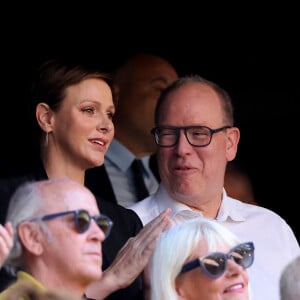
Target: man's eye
(166,133)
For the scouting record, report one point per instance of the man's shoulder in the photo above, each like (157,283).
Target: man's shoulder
(146,209)
(144,204)
(252,209)
(260,216)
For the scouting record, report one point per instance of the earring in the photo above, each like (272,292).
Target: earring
(46,139)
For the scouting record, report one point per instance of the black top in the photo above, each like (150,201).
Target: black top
(126,225)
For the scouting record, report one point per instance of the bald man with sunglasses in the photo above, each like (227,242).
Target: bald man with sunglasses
(58,242)
(59,231)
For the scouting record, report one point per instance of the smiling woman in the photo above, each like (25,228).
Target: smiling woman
(209,263)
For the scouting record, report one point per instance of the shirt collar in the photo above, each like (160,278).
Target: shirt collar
(21,275)
(228,209)
(120,156)
(122,161)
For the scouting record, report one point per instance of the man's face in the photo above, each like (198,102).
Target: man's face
(195,175)
(75,256)
(138,96)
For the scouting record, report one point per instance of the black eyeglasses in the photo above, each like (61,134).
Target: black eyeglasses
(214,264)
(198,136)
(82,220)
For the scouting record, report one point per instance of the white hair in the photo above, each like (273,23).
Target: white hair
(176,245)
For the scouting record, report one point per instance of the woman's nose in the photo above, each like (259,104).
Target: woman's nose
(233,268)
(105,125)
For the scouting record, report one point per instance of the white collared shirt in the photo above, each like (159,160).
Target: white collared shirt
(275,243)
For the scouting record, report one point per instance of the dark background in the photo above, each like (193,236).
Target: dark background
(253,53)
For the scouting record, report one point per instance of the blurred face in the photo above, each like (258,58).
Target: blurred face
(195,285)
(195,175)
(238,185)
(83,128)
(138,95)
(77,257)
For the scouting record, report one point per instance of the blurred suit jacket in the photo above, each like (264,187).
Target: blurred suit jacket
(98,181)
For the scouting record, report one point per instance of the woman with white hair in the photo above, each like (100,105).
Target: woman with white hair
(200,259)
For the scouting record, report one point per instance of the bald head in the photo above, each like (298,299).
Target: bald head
(64,193)
(49,196)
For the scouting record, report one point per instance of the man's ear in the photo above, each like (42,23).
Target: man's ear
(31,237)
(44,115)
(233,137)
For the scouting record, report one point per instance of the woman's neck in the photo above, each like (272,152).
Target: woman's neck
(56,168)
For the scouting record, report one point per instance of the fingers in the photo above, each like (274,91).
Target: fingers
(161,221)
(137,250)
(153,229)
(6,241)
(6,234)
(142,245)
(135,254)
(9,229)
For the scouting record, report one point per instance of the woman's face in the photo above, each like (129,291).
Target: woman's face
(83,127)
(232,285)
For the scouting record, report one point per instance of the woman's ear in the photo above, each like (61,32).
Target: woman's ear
(44,115)
(180,289)
(31,237)
(180,294)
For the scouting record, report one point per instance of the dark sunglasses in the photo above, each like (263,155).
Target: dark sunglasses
(82,220)
(214,264)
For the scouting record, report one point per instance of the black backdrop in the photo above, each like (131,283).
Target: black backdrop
(255,58)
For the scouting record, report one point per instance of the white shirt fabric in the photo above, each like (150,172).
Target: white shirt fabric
(274,241)
(118,160)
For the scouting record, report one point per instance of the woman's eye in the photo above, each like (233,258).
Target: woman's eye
(89,110)
(110,115)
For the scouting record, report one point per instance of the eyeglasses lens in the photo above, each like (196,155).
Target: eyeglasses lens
(83,221)
(243,256)
(214,264)
(103,224)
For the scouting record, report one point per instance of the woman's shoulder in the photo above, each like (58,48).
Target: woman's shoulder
(118,212)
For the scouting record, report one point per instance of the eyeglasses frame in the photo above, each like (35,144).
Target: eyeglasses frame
(76,214)
(185,129)
(198,261)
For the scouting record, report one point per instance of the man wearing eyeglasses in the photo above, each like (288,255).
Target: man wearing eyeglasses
(59,232)
(196,138)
